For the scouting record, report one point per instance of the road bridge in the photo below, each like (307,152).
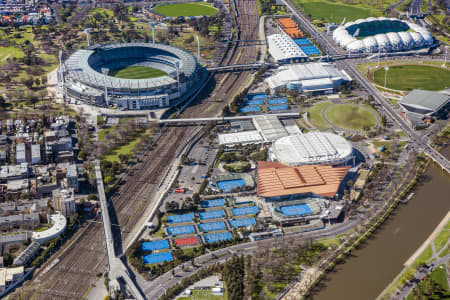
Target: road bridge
(117,269)
(223,119)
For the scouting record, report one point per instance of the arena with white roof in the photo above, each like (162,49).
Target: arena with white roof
(312,148)
(382,35)
(308,78)
(283,49)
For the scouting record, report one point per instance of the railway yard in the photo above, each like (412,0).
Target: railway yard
(76,265)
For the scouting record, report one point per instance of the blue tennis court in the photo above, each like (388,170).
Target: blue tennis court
(310,50)
(277,101)
(256,96)
(228,185)
(246,109)
(295,210)
(302,42)
(254,102)
(278,107)
(214,214)
(212,226)
(180,218)
(157,258)
(212,203)
(155,245)
(242,222)
(215,237)
(180,230)
(245,210)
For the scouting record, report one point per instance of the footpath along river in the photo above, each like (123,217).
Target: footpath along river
(371,268)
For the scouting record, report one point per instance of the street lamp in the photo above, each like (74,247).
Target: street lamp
(198,49)
(386,69)
(87,32)
(177,66)
(153,30)
(105,72)
(445,57)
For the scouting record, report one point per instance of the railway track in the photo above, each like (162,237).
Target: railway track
(79,263)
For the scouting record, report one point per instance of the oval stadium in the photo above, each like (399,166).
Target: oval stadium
(314,147)
(382,34)
(131,75)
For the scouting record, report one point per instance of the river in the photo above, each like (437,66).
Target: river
(372,267)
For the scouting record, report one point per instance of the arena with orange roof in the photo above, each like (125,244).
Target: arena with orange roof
(279,181)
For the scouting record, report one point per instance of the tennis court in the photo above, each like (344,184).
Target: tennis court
(180,218)
(215,237)
(157,258)
(228,185)
(177,230)
(310,50)
(192,240)
(296,210)
(155,245)
(302,42)
(277,101)
(212,226)
(215,214)
(212,203)
(256,96)
(278,107)
(254,102)
(245,210)
(242,222)
(246,109)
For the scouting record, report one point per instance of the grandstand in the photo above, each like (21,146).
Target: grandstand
(382,35)
(82,78)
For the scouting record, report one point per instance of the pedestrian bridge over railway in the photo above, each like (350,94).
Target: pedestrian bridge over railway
(204,120)
(241,67)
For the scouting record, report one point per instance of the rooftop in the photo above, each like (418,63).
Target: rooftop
(276,179)
(426,100)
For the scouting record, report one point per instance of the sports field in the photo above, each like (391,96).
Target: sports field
(137,72)
(315,115)
(186,9)
(409,77)
(335,12)
(351,116)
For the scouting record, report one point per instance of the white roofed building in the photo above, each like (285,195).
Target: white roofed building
(283,49)
(308,78)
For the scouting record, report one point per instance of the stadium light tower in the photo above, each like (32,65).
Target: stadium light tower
(386,69)
(445,57)
(152,24)
(105,72)
(87,31)
(61,71)
(198,49)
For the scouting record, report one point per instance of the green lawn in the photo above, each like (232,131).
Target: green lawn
(186,9)
(10,52)
(335,12)
(103,11)
(124,149)
(315,115)
(102,133)
(203,295)
(409,77)
(137,72)
(351,116)
(439,276)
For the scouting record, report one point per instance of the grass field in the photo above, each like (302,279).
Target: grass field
(442,238)
(335,12)
(186,9)
(315,115)
(137,72)
(203,295)
(350,117)
(409,77)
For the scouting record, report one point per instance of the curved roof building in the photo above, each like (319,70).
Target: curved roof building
(312,148)
(381,34)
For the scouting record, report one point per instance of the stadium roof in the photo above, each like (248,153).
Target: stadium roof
(270,127)
(424,101)
(312,148)
(245,137)
(276,179)
(282,47)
